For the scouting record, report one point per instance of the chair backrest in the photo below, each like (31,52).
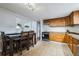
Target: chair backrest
(24,35)
(7,43)
(34,37)
(31,34)
(3,36)
(1,43)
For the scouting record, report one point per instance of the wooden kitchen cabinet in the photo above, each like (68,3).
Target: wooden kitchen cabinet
(68,40)
(74,46)
(76,17)
(67,21)
(59,22)
(70,20)
(55,36)
(74,49)
(65,38)
(55,22)
(73,18)
(72,43)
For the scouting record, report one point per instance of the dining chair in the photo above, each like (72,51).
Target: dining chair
(34,38)
(24,42)
(1,45)
(31,38)
(7,45)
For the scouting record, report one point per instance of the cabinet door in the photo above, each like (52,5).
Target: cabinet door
(71,47)
(54,36)
(57,22)
(76,17)
(74,49)
(65,38)
(70,42)
(69,20)
(74,46)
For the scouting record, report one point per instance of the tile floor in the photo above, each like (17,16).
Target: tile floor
(48,48)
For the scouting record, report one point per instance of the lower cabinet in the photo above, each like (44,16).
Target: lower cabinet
(66,38)
(74,49)
(72,43)
(56,36)
(70,46)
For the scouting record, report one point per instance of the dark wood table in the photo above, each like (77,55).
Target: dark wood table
(15,38)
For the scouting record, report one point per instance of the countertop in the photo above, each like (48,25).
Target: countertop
(74,36)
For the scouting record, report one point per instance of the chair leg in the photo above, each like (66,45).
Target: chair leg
(4,49)
(20,47)
(28,45)
(4,53)
(20,51)
(28,48)
(11,47)
(32,42)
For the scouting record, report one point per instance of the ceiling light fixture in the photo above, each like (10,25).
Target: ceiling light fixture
(30,6)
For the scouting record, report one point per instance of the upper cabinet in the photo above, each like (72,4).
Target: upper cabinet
(55,22)
(69,20)
(59,22)
(76,17)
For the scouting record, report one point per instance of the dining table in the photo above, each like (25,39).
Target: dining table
(15,41)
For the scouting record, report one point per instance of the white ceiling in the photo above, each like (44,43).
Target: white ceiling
(43,10)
